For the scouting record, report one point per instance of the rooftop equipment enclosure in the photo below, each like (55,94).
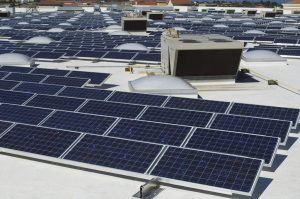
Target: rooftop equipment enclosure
(134,24)
(155,15)
(207,57)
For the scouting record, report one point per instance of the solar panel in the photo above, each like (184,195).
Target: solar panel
(43,141)
(66,81)
(48,55)
(4,126)
(289,114)
(137,98)
(7,84)
(3,74)
(38,88)
(96,78)
(46,71)
(25,77)
(259,126)
(16,69)
(13,97)
(112,109)
(150,132)
(91,54)
(96,94)
(119,55)
(212,169)
(23,114)
(148,57)
(197,104)
(79,122)
(176,116)
(249,145)
(115,153)
(54,102)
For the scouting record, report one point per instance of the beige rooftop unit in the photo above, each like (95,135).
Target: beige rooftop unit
(205,57)
(134,24)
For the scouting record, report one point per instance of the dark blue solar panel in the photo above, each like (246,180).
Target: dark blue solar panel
(3,74)
(48,55)
(137,98)
(259,126)
(43,141)
(112,109)
(148,57)
(25,77)
(38,88)
(92,54)
(46,71)
(85,93)
(212,169)
(4,126)
(7,84)
(291,52)
(13,97)
(289,114)
(249,145)
(25,52)
(119,55)
(115,153)
(54,102)
(175,116)
(16,69)
(66,81)
(22,114)
(79,122)
(96,78)
(150,132)
(197,104)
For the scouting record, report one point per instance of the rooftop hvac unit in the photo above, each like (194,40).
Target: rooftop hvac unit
(134,24)
(4,14)
(207,57)
(250,12)
(155,15)
(268,14)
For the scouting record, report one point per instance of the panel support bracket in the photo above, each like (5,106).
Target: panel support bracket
(149,190)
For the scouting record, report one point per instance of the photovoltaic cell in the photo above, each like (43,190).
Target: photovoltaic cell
(96,78)
(259,126)
(25,77)
(66,81)
(38,88)
(156,57)
(112,109)
(249,145)
(48,55)
(150,132)
(3,74)
(92,54)
(175,116)
(137,98)
(114,153)
(119,55)
(197,104)
(46,71)
(38,140)
(212,169)
(7,84)
(13,97)
(289,114)
(4,126)
(16,69)
(96,94)
(54,102)
(23,114)
(79,122)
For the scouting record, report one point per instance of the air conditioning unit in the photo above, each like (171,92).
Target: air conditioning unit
(200,56)
(134,24)
(155,15)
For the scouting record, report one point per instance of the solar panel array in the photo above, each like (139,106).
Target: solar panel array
(191,140)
